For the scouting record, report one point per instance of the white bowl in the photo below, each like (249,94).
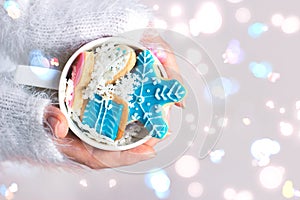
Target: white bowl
(62,92)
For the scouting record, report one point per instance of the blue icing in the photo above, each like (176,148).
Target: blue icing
(104,116)
(153,93)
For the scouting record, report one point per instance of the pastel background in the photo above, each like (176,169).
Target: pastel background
(255,47)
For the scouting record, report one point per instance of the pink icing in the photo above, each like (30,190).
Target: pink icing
(77,67)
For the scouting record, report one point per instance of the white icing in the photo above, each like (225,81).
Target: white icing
(110,59)
(157,94)
(169,94)
(135,117)
(69,92)
(125,87)
(91,133)
(106,91)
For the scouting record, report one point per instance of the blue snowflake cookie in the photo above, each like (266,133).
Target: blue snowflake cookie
(151,95)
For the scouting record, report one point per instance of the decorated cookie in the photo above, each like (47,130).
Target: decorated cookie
(107,117)
(151,95)
(81,76)
(117,98)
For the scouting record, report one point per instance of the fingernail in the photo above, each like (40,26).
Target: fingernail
(54,123)
(181,104)
(150,155)
(168,134)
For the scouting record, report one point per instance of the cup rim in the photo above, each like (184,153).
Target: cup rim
(62,90)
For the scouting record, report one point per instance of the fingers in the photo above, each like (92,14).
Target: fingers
(166,56)
(76,150)
(113,159)
(56,121)
(94,158)
(154,141)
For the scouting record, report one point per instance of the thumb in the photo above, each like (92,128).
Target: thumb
(56,121)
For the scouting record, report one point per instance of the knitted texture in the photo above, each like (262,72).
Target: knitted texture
(22,133)
(57,27)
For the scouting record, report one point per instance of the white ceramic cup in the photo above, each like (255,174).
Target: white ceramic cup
(35,76)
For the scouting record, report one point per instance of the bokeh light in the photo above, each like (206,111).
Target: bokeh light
(233,54)
(297,104)
(246,121)
(288,190)
(3,190)
(159,182)
(232,194)
(13,188)
(262,149)
(40,65)
(291,25)
(244,195)
(162,195)
(234,1)
(229,194)
(296,193)
(271,177)
(286,128)
(298,114)
(243,15)
(176,11)
(12,8)
(195,189)
(217,156)
(273,77)
(277,19)
(83,183)
(194,28)
(187,166)
(8,192)
(270,104)
(156,7)
(257,29)
(112,183)
(282,110)
(260,70)
(207,20)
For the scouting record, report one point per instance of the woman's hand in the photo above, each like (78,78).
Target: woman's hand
(75,149)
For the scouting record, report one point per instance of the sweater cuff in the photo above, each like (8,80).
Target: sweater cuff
(22,132)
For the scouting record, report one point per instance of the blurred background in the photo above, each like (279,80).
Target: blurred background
(253,48)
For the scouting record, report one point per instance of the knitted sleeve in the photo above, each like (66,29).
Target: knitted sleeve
(57,27)
(22,134)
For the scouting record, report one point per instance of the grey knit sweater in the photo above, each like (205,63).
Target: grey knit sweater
(57,27)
